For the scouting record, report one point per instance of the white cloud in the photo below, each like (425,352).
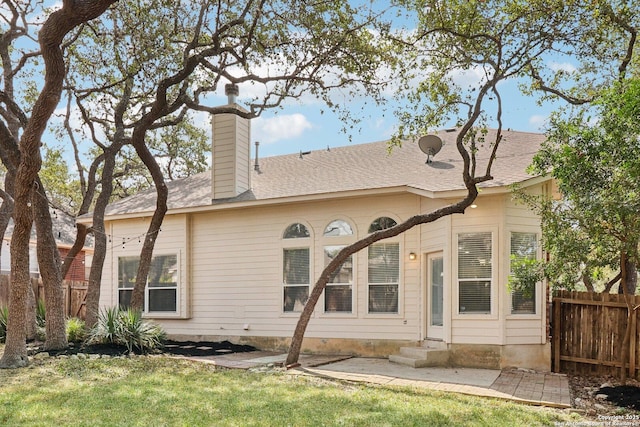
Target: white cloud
(281,127)
(471,77)
(538,122)
(564,66)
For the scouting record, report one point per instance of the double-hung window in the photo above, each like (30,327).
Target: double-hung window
(295,267)
(474,273)
(384,277)
(161,290)
(338,294)
(383,271)
(524,246)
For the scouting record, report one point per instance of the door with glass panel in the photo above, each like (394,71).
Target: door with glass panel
(435,298)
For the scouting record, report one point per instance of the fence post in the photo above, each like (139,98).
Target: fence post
(556,335)
(632,343)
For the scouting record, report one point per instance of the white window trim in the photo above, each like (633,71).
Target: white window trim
(401,266)
(354,291)
(283,285)
(540,287)
(495,267)
(324,241)
(178,314)
(295,243)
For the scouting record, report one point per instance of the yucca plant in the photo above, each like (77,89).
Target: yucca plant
(138,333)
(4,315)
(127,328)
(105,330)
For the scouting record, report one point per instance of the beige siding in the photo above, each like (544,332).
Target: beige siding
(489,216)
(230,169)
(523,328)
(231,270)
(126,239)
(236,271)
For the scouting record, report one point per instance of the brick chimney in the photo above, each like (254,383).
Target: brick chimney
(231,151)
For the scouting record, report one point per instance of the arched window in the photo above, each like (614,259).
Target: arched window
(338,228)
(381,223)
(296,231)
(296,267)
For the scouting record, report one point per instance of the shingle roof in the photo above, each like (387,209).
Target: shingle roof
(351,168)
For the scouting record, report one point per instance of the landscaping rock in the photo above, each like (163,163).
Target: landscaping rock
(41,356)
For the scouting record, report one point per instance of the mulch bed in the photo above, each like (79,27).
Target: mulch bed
(177,348)
(625,396)
(604,395)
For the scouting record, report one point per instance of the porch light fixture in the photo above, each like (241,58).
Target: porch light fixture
(412,256)
(473,206)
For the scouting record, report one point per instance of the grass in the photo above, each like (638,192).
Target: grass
(160,391)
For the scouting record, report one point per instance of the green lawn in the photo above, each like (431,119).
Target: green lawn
(159,391)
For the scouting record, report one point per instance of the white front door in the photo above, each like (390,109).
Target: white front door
(435,288)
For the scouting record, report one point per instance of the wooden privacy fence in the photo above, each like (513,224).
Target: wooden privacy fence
(588,329)
(75,295)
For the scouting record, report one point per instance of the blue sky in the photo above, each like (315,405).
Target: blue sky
(311,126)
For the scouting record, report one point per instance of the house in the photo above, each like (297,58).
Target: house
(64,227)
(241,246)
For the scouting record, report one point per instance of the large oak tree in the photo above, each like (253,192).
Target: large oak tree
(50,37)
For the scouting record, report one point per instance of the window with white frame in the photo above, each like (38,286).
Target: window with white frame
(381,223)
(161,290)
(384,277)
(338,294)
(524,246)
(339,289)
(474,273)
(338,228)
(295,268)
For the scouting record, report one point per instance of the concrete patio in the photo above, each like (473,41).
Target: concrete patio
(524,386)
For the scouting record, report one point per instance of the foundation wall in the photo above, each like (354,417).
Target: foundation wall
(530,356)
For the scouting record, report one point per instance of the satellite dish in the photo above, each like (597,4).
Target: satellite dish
(430,145)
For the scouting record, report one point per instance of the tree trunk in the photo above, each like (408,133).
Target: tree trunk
(346,252)
(49,263)
(100,239)
(471,182)
(15,350)
(56,27)
(146,253)
(31,324)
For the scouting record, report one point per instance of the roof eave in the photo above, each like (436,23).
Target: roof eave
(321,196)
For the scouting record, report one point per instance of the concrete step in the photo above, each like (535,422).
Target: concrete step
(434,344)
(420,357)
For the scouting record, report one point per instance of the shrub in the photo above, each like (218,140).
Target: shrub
(138,333)
(105,330)
(127,328)
(4,315)
(75,330)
